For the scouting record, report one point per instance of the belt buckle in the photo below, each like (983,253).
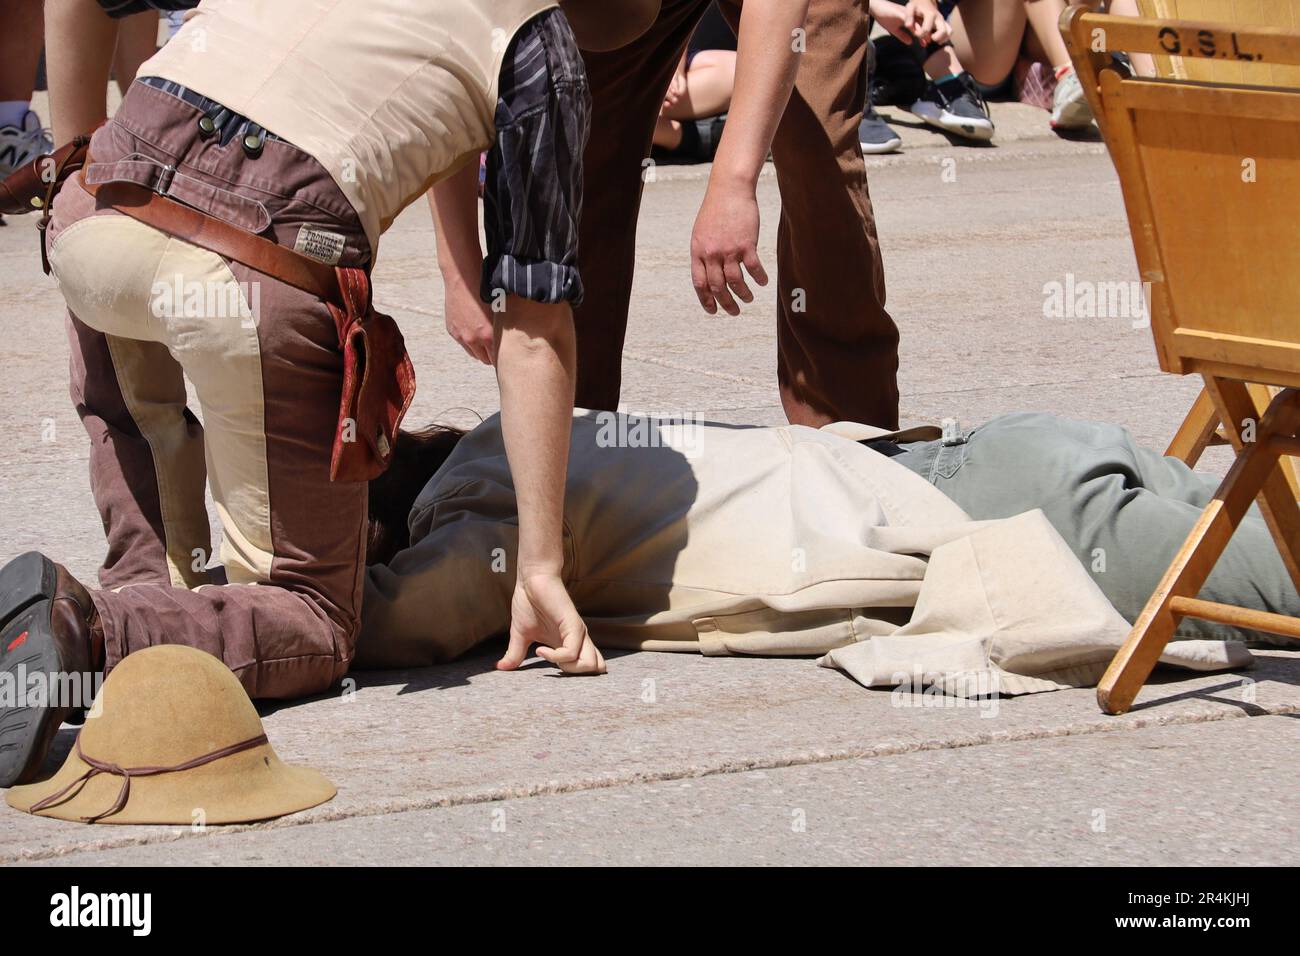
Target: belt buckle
(164,180)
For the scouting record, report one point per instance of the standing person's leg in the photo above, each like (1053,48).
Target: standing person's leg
(837,346)
(627,89)
(137,40)
(20,51)
(1124,511)
(22,138)
(79,42)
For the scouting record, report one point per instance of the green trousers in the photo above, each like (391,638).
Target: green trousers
(1124,510)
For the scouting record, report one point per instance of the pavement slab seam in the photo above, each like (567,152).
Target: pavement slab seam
(1128,723)
(694,370)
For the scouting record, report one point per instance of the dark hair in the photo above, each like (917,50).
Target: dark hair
(417,456)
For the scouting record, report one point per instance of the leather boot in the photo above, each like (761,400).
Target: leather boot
(51,659)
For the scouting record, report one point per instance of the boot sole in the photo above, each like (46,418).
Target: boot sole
(27,646)
(25,580)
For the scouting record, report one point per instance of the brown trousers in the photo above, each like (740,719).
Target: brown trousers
(148,311)
(837,346)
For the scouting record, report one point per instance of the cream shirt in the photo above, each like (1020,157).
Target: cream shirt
(388,95)
(772,541)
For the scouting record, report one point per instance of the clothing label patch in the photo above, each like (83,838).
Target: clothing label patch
(326,247)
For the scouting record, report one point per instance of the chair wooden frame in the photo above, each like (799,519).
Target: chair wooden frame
(1190,337)
(1200,429)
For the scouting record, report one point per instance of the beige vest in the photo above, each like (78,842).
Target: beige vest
(389,95)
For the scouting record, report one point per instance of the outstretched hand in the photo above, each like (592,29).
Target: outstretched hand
(542,613)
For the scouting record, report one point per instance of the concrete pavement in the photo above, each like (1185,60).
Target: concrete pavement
(677,759)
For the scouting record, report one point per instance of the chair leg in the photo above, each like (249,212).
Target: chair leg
(1277,498)
(1255,467)
(1195,432)
(1263,396)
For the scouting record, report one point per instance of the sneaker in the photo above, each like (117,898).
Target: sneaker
(956,106)
(877,136)
(1070,109)
(19,145)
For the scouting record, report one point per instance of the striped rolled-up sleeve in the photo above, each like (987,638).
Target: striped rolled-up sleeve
(532,196)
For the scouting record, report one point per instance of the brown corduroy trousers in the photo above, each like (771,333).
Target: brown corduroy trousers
(837,346)
(148,311)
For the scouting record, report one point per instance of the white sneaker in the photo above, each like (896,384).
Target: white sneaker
(1070,109)
(19,145)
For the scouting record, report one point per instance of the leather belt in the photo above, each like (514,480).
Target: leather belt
(153,208)
(378,377)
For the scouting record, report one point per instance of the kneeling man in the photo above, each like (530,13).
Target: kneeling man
(223,231)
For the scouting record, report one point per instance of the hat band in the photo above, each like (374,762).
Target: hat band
(126,773)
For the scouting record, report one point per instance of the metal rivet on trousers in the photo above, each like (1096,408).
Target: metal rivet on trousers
(38,202)
(252,143)
(206,125)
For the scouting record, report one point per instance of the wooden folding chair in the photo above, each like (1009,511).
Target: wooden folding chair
(1242,14)
(1201,427)
(1210,174)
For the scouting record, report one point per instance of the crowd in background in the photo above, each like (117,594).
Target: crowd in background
(941,60)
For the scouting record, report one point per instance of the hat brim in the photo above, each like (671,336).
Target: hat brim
(242,788)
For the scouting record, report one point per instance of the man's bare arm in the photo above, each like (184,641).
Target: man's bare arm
(454,204)
(726,231)
(536,363)
(533,346)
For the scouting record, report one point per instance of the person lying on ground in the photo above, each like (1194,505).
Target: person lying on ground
(789,540)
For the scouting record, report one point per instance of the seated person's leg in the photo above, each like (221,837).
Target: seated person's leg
(951,101)
(1123,510)
(1143,63)
(986,36)
(691,119)
(709,82)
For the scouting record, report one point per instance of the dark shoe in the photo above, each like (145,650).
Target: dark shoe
(48,626)
(956,106)
(896,76)
(876,136)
